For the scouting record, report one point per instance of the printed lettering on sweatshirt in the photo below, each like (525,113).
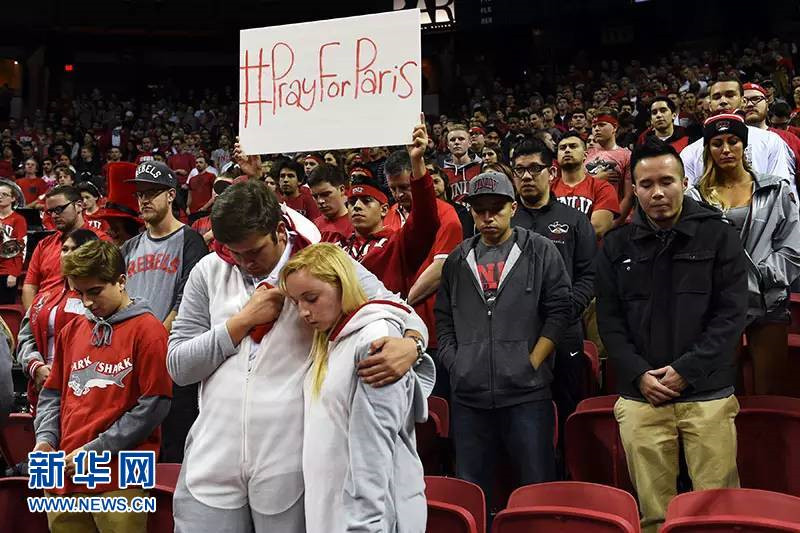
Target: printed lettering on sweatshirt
(86,374)
(147,262)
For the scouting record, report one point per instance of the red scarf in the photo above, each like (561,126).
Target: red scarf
(298,243)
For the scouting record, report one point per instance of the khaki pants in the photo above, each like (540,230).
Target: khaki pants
(651,437)
(64,522)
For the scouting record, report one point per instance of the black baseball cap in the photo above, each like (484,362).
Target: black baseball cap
(155,173)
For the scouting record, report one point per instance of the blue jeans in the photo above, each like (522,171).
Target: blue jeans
(524,431)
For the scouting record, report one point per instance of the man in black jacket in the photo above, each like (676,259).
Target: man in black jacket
(574,237)
(671,302)
(503,301)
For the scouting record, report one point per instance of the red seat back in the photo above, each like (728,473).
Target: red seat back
(17,438)
(442,409)
(12,315)
(161,521)
(593,449)
(714,508)
(167,474)
(794,309)
(448,518)
(598,402)
(14,514)
(430,444)
(560,519)
(458,492)
(586,496)
(768,430)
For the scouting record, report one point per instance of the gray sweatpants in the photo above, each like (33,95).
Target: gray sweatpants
(192,516)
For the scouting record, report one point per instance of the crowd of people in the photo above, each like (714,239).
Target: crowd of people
(275,323)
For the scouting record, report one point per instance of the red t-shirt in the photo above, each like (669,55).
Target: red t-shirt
(303,203)
(100,384)
(587,196)
(183,161)
(32,188)
(14,228)
(44,269)
(617,161)
(201,188)
(6,170)
(339,225)
(96,223)
(448,237)
(792,141)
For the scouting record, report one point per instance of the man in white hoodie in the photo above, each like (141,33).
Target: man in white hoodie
(243,460)
(766,152)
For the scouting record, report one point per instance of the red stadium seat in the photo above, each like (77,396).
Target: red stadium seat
(431,444)
(12,314)
(794,309)
(732,510)
(442,409)
(448,518)
(592,355)
(460,493)
(568,506)
(598,402)
(593,447)
(17,438)
(161,521)
(768,430)
(167,474)
(14,514)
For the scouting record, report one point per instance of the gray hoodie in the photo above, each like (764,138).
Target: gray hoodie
(771,239)
(133,426)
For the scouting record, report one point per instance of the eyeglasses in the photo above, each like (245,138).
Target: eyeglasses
(57,210)
(755,100)
(532,170)
(149,195)
(6,195)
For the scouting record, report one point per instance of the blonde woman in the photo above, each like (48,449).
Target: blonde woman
(764,209)
(360,464)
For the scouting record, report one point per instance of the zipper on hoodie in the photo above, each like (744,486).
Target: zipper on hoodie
(490,304)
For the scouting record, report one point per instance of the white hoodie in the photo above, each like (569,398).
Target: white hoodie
(361,468)
(246,445)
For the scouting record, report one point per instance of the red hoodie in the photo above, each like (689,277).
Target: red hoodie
(39,317)
(99,384)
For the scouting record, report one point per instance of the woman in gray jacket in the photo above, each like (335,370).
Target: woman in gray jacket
(764,209)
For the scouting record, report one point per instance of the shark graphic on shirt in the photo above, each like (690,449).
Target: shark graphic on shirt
(86,375)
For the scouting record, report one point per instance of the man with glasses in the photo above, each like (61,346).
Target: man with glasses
(754,103)
(64,205)
(574,237)
(158,263)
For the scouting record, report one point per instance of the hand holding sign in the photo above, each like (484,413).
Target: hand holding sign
(249,164)
(416,150)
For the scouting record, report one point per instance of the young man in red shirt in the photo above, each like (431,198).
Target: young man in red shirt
(63,203)
(108,390)
(15,231)
(182,162)
(461,165)
(32,185)
(329,189)
(200,187)
(293,194)
(422,294)
(594,197)
(609,161)
(394,257)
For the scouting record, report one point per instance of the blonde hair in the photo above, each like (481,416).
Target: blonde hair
(708,183)
(330,264)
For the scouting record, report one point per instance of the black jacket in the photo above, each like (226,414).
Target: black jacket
(574,237)
(676,297)
(485,346)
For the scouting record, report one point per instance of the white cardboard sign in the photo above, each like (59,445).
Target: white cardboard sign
(341,83)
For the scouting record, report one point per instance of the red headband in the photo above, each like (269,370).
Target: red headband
(363,170)
(605,118)
(755,87)
(357,191)
(316,158)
